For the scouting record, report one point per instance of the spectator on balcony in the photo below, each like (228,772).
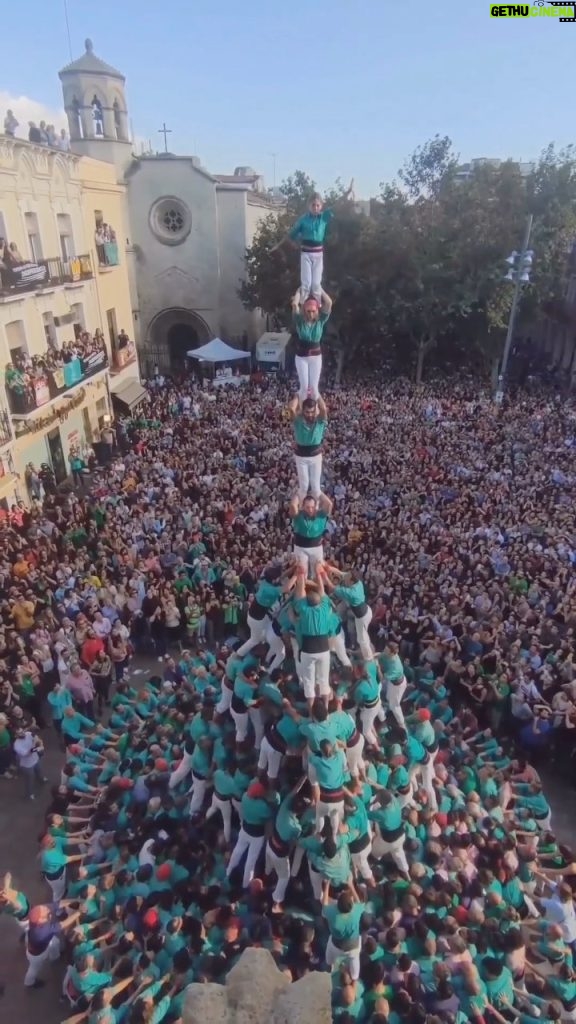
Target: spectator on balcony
(123,339)
(43,133)
(34,134)
(63,141)
(14,256)
(10,124)
(52,137)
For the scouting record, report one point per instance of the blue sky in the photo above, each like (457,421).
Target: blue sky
(338,89)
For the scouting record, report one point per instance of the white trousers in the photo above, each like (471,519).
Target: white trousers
(354,758)
(35,963)
(314,674)
(427,774)
(309,470)
(367,718)
(281,868)
(395,850)
(269,761)
(58,887)
(276,651)
(308,369)
(308,557)
(251,845)
(311,270)
(225,809)
(258,628)
(334,812)
(225,701)
(394,694)
(241,723)
(198,794)
(182,771)
(351,958)
(338,646)
(361,863)
(362,638)
(255,716)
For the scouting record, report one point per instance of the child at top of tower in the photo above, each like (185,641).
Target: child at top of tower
(309,233)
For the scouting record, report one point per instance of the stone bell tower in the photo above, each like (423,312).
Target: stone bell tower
(95,104)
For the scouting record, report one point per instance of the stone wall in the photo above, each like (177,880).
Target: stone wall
(256,992)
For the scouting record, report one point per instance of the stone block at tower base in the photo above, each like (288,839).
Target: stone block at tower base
(256,992)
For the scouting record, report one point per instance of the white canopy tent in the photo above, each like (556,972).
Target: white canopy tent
(217,351)
(271,347)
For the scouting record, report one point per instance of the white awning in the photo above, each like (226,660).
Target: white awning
(217,351)
(129,392)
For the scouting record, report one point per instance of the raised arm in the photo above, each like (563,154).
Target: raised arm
(294,407)
(301,583)
(294,506)
(325,504)
(322,410)
(326,302)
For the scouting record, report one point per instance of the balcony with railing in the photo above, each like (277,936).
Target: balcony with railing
(108,255)
(32,385)
(124,354)
(44,274)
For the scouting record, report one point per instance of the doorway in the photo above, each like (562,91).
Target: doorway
(57,456)
(181,339)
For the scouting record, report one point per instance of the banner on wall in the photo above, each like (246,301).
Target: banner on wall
(41,391)
(94,362)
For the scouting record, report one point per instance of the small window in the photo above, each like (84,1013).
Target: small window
(97,117)
(33,233)
(67,250)
(77,126)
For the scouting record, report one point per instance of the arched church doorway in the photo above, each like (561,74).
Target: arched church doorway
(171,334)
(181,339)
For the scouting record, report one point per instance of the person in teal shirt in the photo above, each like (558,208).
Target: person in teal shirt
(257,810)
(309,422)
(287,830)
(352,592)
(366,695)
(309,232)
(343,919)
(309,321)
(309,524)
(270,590)
(328,772)
(387,814)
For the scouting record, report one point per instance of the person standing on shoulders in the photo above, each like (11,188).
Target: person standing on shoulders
(351,590)
(309,232)
(309,320)
(309,422)
(309,523)
(313,613)
(393,672)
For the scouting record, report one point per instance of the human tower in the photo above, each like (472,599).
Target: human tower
(309,619)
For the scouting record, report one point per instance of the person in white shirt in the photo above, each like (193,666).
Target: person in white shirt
(28,748)
(560,910)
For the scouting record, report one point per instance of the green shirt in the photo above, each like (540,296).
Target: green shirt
(315,732)
(344,928)
(309,528)
(389,818)
(343,725)
(331,772)
(313,620)
(310,331)
(267,594)
(287,823)
(392,667)
(354,595)
(309,435)
(311,227)
(255,811)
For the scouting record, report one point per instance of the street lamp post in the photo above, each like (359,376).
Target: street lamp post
(519,272)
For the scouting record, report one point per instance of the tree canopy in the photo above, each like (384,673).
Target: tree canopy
(426,266)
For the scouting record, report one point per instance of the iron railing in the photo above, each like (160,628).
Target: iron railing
(33,277)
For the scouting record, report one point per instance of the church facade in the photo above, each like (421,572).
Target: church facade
(189,229)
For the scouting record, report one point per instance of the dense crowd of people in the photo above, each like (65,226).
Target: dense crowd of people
(333,757)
